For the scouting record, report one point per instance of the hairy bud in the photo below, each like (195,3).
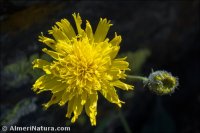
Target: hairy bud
(162,82)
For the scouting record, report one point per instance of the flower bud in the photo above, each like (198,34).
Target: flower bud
(162,82)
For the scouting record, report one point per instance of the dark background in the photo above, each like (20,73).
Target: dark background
(168,30)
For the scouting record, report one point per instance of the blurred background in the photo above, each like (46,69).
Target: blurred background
(158,35)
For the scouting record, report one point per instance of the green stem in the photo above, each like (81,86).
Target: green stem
(124,122)
(121,116)
(138,78)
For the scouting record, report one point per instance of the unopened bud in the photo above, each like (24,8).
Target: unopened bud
(162,82)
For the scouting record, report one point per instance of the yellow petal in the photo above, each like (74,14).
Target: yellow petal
(116,40)
(122,85)
(58,34)
(114,52)
(116,74)
(78,22)
(66,27)
(102,30)
(89,31)
(77,108)
(54,99)
(70,107)
(91,108)
(84,98)
(110,94)
(120,64)
(38,82)
(43,64)
(48,41)
(46,83)
(63,47)
(40,63)
(121,59)
(53,54)
(65,98)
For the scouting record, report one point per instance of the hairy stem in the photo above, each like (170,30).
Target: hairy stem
(137,78)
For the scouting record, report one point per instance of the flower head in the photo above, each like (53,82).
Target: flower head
(162,82)
(83,65)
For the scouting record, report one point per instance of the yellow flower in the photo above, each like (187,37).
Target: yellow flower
(84,64)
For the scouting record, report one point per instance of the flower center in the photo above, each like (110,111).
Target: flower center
(85,70)
(168,83)
(83,64)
